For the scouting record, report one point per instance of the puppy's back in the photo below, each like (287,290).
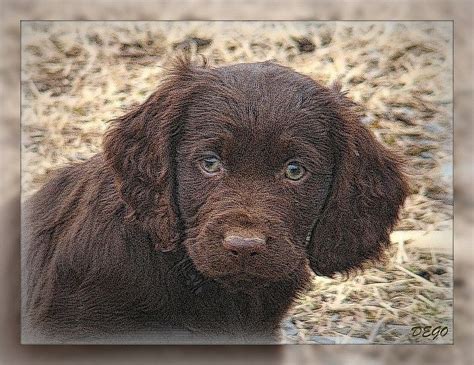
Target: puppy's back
(62,227)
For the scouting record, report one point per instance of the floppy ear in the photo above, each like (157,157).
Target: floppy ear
(140,148)
(367,192)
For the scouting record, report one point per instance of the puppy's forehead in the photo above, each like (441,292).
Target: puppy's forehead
(264,98)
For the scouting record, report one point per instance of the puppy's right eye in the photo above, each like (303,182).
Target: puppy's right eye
(211,165)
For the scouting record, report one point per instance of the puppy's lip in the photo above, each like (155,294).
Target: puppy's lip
(242,278)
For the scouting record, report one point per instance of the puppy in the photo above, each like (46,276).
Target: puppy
(202,218)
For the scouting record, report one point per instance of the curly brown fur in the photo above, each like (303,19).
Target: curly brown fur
(129,245)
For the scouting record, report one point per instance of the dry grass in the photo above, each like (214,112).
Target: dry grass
(380,306)
(77,76)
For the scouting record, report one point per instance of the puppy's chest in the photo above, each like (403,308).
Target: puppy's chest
(215,308)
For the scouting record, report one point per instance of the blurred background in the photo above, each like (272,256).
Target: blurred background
(76,76)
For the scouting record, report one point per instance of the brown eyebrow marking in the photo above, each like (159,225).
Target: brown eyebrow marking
(317,157)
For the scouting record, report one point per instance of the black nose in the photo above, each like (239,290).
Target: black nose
(248,245)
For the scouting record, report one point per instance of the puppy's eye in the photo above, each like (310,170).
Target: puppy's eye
(294,171)
(211,165)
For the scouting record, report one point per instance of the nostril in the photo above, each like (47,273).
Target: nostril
(253,253)
(234,252)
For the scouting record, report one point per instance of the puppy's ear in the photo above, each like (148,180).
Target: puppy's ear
(140,148)
(367,192)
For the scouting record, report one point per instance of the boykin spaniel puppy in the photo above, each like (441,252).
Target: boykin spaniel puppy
(201,219)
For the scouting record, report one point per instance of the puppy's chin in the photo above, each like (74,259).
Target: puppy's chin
(235,277)
(239,280)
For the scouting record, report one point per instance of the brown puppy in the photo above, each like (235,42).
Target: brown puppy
(202,217)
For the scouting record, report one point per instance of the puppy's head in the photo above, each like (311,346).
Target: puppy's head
(257,170)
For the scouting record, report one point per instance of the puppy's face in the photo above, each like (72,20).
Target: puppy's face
(242,163)
(254,168)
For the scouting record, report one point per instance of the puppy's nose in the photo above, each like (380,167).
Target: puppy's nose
(244,245)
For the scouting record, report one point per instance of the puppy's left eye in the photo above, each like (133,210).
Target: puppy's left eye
(294,171)
(211,165)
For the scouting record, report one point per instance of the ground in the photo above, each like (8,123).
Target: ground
(77,76)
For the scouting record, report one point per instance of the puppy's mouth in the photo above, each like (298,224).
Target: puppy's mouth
(242,281)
